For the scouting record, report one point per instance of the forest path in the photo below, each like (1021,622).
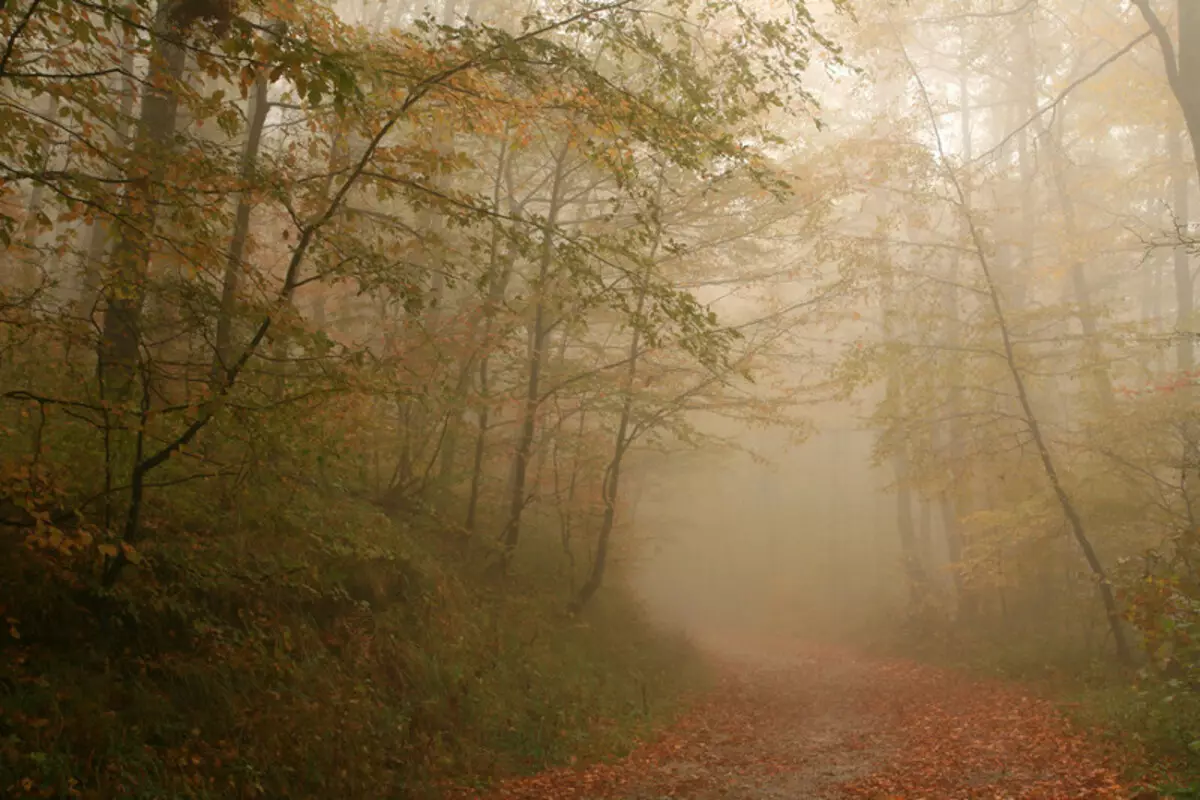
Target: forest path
(794,723)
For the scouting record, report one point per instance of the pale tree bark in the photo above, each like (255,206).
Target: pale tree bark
(443,145)
(895,434)
(626,431)
(37,198)
(28,277)
(1085,309)
(1027,107)
(257,113)
(420,417)
(100,233)
(910,552)
(956,495)
(924,527)
(548,437)
(1185,359)
(566,506)
(499,285)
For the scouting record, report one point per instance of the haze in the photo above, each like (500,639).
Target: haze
(618,400)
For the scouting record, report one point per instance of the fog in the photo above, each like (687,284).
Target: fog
(794,540)
(427,377)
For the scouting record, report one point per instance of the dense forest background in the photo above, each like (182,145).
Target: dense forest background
(387,391)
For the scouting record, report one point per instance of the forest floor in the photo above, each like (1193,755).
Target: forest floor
(790,722)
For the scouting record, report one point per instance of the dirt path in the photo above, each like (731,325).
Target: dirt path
(826,724)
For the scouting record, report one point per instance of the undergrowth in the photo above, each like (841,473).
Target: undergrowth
(1151,719)
(317,649)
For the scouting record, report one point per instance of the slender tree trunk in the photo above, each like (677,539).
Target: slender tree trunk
(257,113)
(610,490)
(125,294)
(480,448)
(500,268)
(1027,107)
(462,387)
(100,232)
(1075,522)
(567,507)
(37,198)
(895,435)
(924,527)
(537,341)
(496,294)
(1182,63)
(27,276)
(1092,346)
(483,413)
(1185,359)
(544,446)
(956,496)
(894,403)
(914,569)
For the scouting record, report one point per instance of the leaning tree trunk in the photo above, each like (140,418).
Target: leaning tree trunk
(612,473)
(1183,70)
(1049,466)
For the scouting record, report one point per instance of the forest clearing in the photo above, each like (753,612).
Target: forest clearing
(408,398)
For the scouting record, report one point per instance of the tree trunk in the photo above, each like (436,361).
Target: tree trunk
(1107,597)
(1093,355)
(130,263)
(957,494)
(101,230)
(894,401)
(257,113)
(612,473)
(895,433)
(462,387)
(537,342)
(1183,71)
(1185,359)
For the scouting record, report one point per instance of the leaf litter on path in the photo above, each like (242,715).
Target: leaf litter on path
(791,723)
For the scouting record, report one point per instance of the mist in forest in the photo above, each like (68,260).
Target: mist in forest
(421,379)
(793,540)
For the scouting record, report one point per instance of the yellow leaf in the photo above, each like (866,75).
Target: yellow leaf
(131,555)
